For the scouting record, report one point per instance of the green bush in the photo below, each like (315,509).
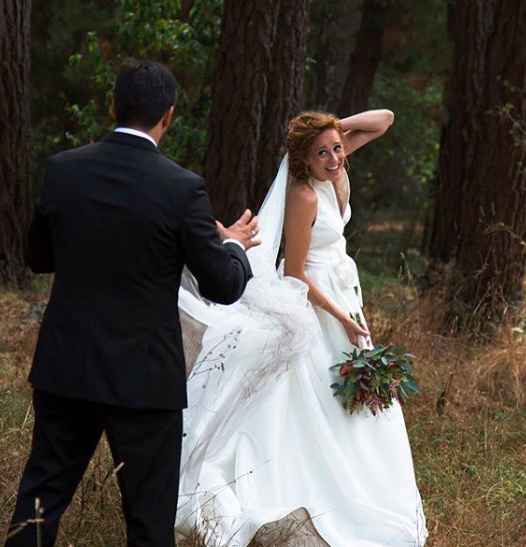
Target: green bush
(142,29)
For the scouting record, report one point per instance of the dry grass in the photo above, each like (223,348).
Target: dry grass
(467,429)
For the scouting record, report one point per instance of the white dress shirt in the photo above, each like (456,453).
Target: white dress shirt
(137,133)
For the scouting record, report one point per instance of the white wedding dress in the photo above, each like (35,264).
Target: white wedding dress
(264,433)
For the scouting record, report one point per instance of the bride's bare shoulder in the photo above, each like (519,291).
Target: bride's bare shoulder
(302,195)
(301,207)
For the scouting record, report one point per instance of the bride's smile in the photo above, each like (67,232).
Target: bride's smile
(327,156)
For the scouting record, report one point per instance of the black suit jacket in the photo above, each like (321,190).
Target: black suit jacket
(117,221)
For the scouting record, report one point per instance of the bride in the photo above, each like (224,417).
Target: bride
(264,435)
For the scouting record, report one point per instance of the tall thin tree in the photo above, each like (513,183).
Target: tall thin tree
(322,15)
(364,58)
(15,190)
(333,27)
(480,217)
(441,242)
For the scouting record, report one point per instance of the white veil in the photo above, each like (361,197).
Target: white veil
(262,258)
(246,347)
(271,216)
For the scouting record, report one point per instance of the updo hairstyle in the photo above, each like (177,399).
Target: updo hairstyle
(302,132)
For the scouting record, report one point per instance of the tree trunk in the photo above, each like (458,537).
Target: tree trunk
(15,192)
(443,233)
(258,85)
(239,101)
(364,59)
(333,28)
(321,26)
(284,95)
(480,217)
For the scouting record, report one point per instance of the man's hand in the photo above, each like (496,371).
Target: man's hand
(244,230)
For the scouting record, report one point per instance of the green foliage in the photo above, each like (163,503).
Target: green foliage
(145,29)
(408,153)
(423,47)
(399,169)
(154,29)
(58,30)
(508,114)
(398,172)
(410,82)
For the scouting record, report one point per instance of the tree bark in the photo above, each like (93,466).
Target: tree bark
(258,85)
(333,28)
(15,190)
(284,94)
(322,19)
(239,101)
(364,59)
(447,194)
(480,217)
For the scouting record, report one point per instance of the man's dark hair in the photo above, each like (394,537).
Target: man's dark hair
(143,92)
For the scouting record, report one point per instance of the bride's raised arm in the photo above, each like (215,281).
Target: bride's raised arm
(364,127)
(300,214)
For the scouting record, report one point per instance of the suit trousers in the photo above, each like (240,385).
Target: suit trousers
(147,442)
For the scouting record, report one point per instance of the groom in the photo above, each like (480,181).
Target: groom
(116,223)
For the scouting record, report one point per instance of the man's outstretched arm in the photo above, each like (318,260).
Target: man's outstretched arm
(222,269)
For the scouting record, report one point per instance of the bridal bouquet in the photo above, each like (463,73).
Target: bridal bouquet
(374,378)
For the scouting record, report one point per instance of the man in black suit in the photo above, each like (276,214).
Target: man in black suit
(117,221)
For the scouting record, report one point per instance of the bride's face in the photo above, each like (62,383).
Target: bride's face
(326,157)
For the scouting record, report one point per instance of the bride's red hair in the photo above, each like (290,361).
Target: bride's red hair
(302,132)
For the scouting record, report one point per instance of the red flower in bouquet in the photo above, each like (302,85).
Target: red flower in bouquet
(345,369)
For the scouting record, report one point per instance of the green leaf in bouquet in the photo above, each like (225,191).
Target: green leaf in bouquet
(350,389)
(338,390)
(403,392)
(406,367)
(377,352)
(411,385)
(354,377)
(349,407)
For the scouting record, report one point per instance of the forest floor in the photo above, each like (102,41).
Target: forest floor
(467,428)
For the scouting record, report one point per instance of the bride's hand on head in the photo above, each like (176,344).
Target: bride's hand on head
(354,330)
(244,230)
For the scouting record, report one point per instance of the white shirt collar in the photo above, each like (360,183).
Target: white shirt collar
(136,132)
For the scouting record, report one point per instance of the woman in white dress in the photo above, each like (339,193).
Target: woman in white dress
(264,434)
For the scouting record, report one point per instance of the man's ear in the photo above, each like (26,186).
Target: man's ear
(167,118)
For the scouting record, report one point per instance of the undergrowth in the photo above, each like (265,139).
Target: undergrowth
(467,428)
